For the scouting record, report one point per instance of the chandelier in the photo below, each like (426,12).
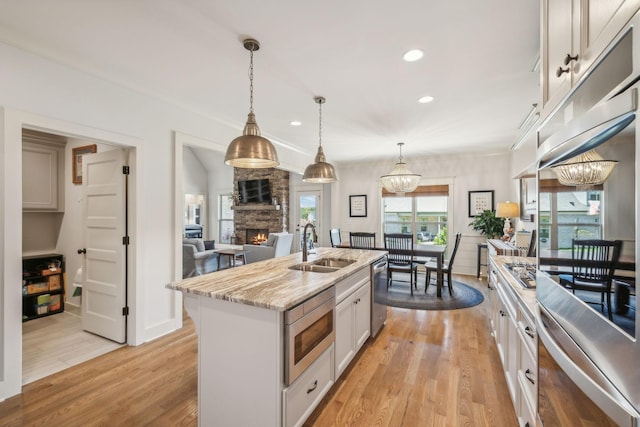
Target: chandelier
(251,150)
(320,171)
(400,180)
(586,170)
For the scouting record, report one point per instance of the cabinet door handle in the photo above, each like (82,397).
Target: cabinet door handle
(569,58)
(529,332)
(502,313)
(560,71)
(529,376)
(313,387)
(82,251)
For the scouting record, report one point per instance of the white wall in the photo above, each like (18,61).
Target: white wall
(50,97)
(463,172)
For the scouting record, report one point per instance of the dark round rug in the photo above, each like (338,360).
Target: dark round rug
(400,296)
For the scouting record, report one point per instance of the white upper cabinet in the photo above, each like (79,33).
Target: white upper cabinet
(42,175)
(574,34)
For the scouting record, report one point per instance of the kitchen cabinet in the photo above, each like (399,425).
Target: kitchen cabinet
(42,286)
(574,34)
(515,335)
(42,172)
(353,317)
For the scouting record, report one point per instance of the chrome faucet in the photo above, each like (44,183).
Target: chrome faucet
(304,240)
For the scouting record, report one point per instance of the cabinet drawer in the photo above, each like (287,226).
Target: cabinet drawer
(528,334)
(528,377)
(301,397)
(346,286)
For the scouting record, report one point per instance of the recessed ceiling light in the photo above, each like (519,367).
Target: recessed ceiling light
(425,99)
(295,123)
(413,55)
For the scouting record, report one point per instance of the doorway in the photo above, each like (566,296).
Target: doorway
(308,210)
(57,341)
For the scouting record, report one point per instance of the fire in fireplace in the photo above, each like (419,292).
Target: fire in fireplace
(256,236)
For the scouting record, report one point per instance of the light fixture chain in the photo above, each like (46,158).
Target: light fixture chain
(320,126)
(251,81)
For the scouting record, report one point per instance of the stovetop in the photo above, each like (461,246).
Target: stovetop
(523,272)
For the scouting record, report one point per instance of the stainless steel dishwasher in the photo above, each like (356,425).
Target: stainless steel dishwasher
(379,282)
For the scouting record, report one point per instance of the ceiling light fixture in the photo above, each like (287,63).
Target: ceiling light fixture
(425,99)
(251,150)
(585,170)
(295,123)
(400,180)
(413,55)
(320,171)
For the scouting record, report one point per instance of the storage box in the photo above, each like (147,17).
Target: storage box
(50,271)
(42,308)
(54,282)
(34,288)
(54,305)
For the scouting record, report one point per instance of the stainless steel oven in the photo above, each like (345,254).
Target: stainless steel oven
(581,351)
(309,331)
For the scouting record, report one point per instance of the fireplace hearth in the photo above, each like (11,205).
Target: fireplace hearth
(255,236)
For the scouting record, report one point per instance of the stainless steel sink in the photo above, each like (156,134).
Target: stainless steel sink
(314,268)
(334,262)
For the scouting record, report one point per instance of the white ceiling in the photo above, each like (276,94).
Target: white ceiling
(478,65)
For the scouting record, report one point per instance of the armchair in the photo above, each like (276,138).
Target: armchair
(196,260)
(277,244)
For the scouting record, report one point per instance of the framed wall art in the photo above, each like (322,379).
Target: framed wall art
(76,160)
(480,201)
(358,205)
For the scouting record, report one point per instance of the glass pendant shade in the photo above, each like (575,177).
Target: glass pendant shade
(400,180)
(320,171)
(251,151)
(585,170)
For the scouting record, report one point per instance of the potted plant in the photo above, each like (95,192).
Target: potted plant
(488,224)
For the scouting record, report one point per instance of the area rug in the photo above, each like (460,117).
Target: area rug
(399,295)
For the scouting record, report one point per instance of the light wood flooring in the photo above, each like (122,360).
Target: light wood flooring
(53,343)
(426,368)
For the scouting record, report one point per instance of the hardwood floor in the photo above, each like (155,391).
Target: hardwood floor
(427,368)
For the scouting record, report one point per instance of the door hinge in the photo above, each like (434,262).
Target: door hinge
(125,240)
(125,170)
(125,311)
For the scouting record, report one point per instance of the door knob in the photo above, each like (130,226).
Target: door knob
(82,251)
(569,58)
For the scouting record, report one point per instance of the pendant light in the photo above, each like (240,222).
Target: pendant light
(585,170)
(320,171)
(251,151)
(400,180)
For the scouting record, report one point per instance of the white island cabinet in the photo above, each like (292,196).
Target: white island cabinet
(239,318)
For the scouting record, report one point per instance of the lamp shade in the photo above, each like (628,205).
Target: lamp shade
(320,171)
(585,170)
(508,210)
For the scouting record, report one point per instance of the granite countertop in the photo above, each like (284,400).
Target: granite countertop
(527,296)
(271,284)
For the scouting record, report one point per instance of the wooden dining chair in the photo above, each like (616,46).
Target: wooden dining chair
(531,251)
(447,266)
(336,238)
(400,257)
(593,265)
(362,240)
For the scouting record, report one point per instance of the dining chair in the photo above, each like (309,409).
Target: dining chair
(593,265)
(336,238)
(400,256)
(362,240)
(531,252)
(447,266)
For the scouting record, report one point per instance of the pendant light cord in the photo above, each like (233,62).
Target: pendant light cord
(320,126)
(251,81)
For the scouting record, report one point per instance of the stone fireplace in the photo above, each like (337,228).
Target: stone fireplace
(268,218)
(255,236)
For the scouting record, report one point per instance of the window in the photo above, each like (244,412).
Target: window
(422,212)
(567,213)
(225,219)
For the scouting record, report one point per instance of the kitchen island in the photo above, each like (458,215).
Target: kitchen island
(239,315)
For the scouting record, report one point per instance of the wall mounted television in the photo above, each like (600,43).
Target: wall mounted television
(254,191)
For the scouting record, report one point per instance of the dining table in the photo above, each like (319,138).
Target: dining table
(423,251)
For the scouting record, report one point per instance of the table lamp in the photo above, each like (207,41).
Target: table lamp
(507,210)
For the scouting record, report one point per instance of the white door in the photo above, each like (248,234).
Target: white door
(308,211)
(104,285)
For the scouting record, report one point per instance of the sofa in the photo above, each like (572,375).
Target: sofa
(198,257)
(277,244)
